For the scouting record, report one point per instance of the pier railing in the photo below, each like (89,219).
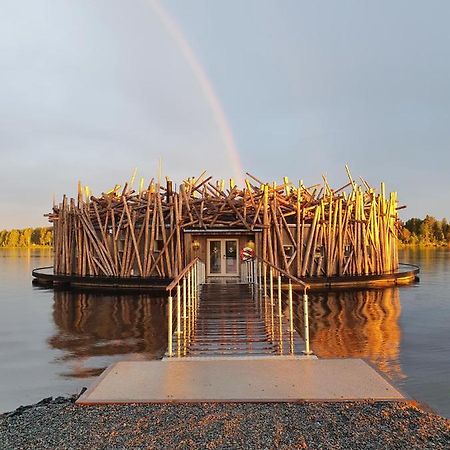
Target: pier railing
(181,314)
(262,275)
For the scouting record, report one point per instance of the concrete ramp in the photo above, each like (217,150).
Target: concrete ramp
(236,379)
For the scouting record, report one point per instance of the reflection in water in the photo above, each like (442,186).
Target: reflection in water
(360,324)
(92,327)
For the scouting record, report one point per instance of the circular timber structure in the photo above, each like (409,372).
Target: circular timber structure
(44,276)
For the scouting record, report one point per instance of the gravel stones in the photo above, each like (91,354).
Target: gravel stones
(60,424)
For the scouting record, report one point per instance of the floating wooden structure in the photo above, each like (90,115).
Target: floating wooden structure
(153,232)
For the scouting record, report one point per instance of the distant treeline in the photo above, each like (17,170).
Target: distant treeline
(27,237)
(428,231)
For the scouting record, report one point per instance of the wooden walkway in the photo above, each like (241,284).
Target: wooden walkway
(237,348)
(235,320)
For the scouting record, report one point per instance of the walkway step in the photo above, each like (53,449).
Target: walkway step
(273,379)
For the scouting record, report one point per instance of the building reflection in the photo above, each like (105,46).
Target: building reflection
(360,324)
(92,329)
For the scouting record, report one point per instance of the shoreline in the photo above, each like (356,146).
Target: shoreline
(60,424)
(424,246)
(31,247)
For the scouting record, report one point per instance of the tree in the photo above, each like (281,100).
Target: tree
(3,237)
(413,225)
(405,235)
(25,237)
(47,237)
(438,235)
(445,226)
(427,229)
(13,238)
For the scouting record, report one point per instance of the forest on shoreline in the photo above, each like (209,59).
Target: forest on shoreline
(425,232)
(26,237)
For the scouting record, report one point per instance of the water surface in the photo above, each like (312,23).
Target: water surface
(55,342)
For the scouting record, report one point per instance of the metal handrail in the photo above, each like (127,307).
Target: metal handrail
(177,279)
(286,274)
(187,284)
(261,280)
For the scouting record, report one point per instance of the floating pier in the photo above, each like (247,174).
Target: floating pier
(231,343)
(229,259)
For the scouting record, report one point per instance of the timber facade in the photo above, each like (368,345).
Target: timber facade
(155,231)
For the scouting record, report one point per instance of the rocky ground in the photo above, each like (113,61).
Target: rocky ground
(60,424)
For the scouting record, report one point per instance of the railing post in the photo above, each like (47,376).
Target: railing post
(258,274)
(291,312)
(196,285)
(271,284)
(196,280)
(254,277)
(265,279)
(193,300)
(178,309)
(307,350)
(169,326)
(280,312)
(203,273)
(193,285)
(189,291)
(184,297)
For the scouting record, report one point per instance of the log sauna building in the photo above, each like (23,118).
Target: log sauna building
(145,237)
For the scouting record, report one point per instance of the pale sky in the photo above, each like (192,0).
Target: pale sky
(91,89)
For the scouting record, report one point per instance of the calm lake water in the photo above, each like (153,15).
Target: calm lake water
(55,342)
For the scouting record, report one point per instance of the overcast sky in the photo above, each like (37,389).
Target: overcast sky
(91,89)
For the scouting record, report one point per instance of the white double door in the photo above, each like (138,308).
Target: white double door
(222,257)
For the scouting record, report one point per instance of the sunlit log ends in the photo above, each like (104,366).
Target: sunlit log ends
(311,231)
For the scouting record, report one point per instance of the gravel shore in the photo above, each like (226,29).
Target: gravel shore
(59,424)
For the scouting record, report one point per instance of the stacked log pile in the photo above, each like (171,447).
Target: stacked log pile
(306,231)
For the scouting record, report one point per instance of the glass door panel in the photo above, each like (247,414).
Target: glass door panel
(215,257)
(231,264)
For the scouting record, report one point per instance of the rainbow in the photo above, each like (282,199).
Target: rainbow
(199,72)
